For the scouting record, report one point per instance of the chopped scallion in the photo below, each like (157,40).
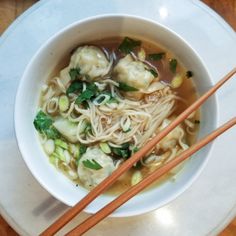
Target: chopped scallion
(105,148)
(136,177)
(101,99)
(63,103)
(177,81)
(60,143)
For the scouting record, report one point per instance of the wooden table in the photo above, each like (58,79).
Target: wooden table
(10,9)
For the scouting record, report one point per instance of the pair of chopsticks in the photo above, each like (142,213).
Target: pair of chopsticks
(124,197)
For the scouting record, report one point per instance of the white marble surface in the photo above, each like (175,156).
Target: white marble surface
(207,206)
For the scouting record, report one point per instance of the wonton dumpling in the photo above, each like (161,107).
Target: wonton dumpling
(133,73)
(91,61)
(64,76)
(89,177)
(176,136)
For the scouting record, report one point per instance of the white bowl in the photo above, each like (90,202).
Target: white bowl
(42,64)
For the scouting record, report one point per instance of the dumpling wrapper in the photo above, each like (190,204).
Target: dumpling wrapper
(91,60)
(133,73)
(90,177)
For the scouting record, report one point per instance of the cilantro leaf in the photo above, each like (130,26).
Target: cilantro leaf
(173,65)
(42,121)
(125,87)
(52,133)
(156,56)
(74,73)
(128,45)
(89,93)
(44,124)
(75,86)
(93,164)
(86,95)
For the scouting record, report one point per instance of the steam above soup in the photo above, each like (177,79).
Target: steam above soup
(112,97)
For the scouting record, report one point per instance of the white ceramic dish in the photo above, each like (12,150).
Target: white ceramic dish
(48,56)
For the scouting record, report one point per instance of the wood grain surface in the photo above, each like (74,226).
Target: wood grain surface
(11,9)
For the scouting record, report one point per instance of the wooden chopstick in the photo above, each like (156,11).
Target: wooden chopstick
(124,197)
(71,213)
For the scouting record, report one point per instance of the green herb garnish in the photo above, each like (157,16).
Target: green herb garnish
(189,74)
(123,151)
(173,65)
(128,45)
(101,99)
(82,150)
(93,164)
(153,72)
(138,165)
(135,149)
(156,56)
(44,124)
(127,88)
(74,73)
(89,93)
(75,86)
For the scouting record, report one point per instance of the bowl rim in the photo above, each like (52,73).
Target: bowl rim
(19,138)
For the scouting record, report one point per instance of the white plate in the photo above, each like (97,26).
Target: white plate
(207,206)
